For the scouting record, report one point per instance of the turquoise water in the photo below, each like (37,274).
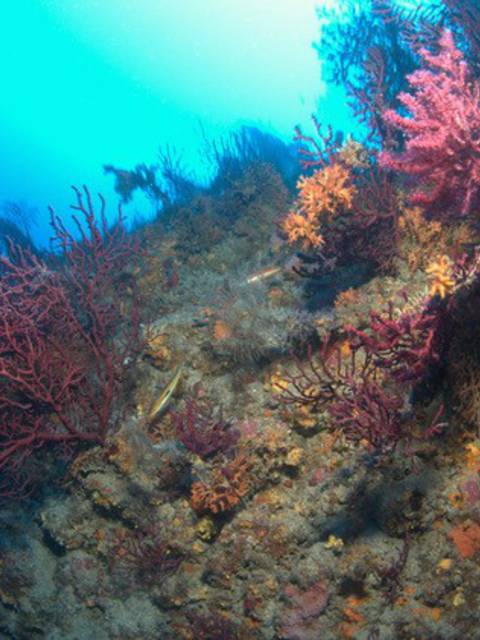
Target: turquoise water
(89,83)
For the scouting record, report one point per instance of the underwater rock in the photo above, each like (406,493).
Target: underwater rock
(402,507)
(300,618)
(255,322)
(67,523)
(131,466)
(136,617)
(206,528)
(466,537)
(85,572)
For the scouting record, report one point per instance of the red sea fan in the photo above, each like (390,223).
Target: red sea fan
(144,557)
(370,413)
(202,429)
(68,336)
(443,131)
(405,346)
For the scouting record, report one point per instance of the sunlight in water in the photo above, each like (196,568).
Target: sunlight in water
(108,81)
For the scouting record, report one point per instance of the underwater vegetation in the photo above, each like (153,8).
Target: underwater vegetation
(63,348)
(202,429)
(441,148)
(257,415)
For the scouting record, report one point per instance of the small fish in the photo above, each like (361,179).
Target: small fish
(164,398)
(263,274)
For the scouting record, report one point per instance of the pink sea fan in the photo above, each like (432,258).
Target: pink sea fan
(442,132)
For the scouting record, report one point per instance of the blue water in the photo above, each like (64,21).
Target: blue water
(95,82)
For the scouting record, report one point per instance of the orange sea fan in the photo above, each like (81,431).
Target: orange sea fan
(216,499)
(228,487)
(440,273)
(325,191)
(323,194)
(302,228)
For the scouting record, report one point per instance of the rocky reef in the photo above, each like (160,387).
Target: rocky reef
(285,444)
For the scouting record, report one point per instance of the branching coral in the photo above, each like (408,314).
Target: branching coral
(366,389)
(323,377)
(419,237)
(211,627)
(145,556)
(322,195)
(403,345)
(202,429)
(442,141)
(441,277)
(350,389)
(346,210)
(304,228)
(368,47)
(466,15)
(464,388)
(65,338)
(368,412)
(320,151)
(226,489)
(326,191)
